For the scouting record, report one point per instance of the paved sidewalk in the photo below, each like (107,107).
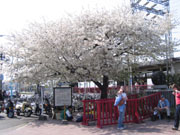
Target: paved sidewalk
(55,127)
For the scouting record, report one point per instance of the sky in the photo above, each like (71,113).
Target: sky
(17,14)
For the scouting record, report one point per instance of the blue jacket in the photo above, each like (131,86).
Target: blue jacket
(117,100)
(164,103)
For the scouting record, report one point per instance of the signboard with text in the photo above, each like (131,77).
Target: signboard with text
(62,96)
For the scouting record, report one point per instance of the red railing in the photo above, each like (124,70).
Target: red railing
(145,105)
(90,108)
(89,111)
(107,113)
(104,112)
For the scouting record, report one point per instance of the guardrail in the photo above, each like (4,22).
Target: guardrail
(103,112)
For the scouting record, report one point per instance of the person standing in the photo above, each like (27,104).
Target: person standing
(120,103)
(176,93)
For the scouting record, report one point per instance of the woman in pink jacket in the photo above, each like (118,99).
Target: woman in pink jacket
(176,93)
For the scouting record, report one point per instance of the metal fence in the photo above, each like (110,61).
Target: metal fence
(167,93)
(103,111)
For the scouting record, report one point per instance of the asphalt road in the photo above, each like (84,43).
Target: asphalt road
(13,123)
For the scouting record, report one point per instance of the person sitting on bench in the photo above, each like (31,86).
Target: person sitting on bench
(163,106)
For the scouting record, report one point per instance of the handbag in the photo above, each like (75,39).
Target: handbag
(121,102)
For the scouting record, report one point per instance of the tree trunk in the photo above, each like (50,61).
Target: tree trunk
(103,87)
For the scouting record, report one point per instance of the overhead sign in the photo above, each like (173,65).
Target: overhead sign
(62,96)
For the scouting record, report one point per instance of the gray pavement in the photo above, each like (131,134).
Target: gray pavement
(55,127)
(7,123)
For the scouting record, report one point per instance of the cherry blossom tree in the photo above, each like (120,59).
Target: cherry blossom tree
(94,45)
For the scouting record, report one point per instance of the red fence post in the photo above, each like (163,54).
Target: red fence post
(99,114)
(84,113)
(110,109)
(136,114)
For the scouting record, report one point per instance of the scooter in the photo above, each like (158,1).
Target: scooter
(24,108)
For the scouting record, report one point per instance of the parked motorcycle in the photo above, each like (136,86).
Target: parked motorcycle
(10,114)
(36,109)
(24,108)
(10,109)
(47,107)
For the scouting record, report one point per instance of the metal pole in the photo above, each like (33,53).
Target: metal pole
(42,101)
(167,58)
(11,83)
(11,89)
(85,90)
